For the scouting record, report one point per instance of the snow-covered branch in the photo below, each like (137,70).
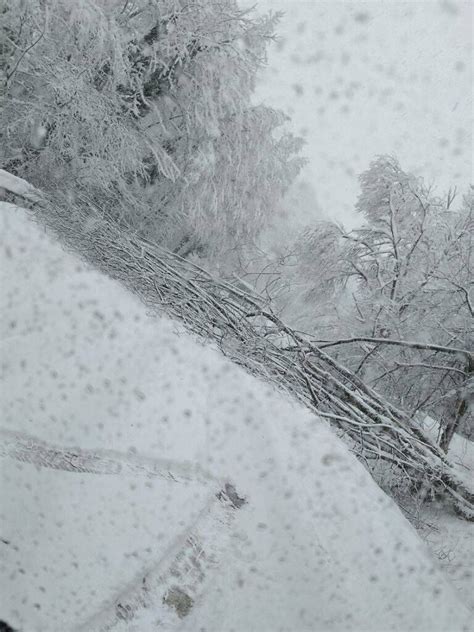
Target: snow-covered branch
(238,323)
(18,187)
(401,343)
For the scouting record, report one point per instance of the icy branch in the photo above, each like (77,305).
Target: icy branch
(401,343)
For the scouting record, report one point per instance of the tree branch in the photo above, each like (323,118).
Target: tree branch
(400,343)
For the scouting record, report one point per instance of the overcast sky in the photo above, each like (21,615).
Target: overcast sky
(364,78)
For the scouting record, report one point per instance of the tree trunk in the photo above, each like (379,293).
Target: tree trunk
(452,425)
(461,411)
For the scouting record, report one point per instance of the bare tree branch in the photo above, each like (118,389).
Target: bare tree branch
(401,343)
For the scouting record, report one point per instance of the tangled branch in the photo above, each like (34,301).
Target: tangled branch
(253,336)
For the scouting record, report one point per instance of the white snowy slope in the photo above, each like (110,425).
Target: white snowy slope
(316,547)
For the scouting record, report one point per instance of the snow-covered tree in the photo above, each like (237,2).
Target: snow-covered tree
(144,109)
(401,289)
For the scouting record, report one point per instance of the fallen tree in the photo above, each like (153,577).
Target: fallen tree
(247,331)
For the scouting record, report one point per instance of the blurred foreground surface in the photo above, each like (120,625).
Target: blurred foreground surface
(317,546)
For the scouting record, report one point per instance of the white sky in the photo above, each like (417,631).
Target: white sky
(364,78)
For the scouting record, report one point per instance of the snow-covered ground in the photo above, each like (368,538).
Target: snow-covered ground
(452,540)
(316,547)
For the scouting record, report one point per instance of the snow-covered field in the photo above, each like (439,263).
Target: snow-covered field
(316,547)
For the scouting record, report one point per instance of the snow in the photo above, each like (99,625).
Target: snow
(452,540)
(317,546)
